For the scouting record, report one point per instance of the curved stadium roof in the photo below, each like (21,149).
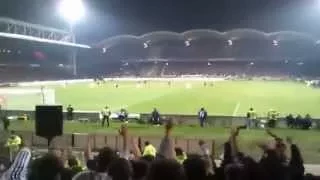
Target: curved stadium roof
(206,33)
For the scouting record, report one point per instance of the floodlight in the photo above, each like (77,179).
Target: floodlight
(187,43)
(275,42)
(72,10)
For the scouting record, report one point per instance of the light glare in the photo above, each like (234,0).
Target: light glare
(72,10)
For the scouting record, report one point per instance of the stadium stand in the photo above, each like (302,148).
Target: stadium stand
(237,52)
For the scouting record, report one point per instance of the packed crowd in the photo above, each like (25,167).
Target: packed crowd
(210,68)
(27,73)
(163,69)
(134,162)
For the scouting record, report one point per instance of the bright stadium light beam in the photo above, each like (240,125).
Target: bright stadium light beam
(72,10)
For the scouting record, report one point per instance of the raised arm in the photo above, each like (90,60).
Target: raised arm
(234,144)
(19,167)
(206,153)
(268,131)
(135,147)
(296,161)
(88,151)
(123,131)
(166,149)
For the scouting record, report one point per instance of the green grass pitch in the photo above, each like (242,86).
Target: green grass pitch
(224,98)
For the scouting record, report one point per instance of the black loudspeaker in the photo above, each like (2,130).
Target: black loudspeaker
(49,121)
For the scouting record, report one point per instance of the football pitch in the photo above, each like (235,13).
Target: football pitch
(187,97)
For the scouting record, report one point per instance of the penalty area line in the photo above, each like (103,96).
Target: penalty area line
(236,108)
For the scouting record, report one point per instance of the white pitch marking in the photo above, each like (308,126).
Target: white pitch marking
(235,111)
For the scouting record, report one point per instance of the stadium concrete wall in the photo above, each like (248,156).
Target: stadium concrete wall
(192,120)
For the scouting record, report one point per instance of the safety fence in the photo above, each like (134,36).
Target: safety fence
(79,141)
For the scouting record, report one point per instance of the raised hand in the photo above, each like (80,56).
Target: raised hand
(201,142)
(169,126)
(123,131)
(234,131)
(289,140)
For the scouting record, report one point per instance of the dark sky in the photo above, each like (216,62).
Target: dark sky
(106,18)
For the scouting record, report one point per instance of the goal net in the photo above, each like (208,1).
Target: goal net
(25,98)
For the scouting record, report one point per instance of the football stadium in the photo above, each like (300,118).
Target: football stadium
(235,78)
(176,73)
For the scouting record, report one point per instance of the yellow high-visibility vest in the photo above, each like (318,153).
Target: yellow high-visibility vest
(14,142)
(149,150)
(181,158)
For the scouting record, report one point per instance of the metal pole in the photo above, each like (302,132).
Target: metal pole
(74,52)
(74,62)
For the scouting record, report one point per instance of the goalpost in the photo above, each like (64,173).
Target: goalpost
(25,98)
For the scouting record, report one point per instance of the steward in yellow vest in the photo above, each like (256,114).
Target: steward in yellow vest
(149,150)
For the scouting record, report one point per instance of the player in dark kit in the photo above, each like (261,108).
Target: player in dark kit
(70,112)
(205,84)
(4,119)
(155,117)
(106,113)
(202,115)
(123,115)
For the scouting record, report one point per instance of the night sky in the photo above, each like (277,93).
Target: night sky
(107,18)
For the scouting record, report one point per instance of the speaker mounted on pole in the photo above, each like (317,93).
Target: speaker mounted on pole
(49,121)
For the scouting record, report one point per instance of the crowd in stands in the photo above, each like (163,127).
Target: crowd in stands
(25,74)
(163,69)
(134,162)
(205,68)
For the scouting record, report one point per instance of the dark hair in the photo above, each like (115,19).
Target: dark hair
(47,167)
(234,171)
(195,168)
(166,169)
(72,161)
(272,166)
(146,143)
(106,155)
(252,169)
(120,169)
(179,151)
(140,168)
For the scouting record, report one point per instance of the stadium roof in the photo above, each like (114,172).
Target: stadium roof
(207,33)
(15,29)
(35,39)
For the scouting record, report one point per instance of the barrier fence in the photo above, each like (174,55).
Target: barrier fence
(78,141)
